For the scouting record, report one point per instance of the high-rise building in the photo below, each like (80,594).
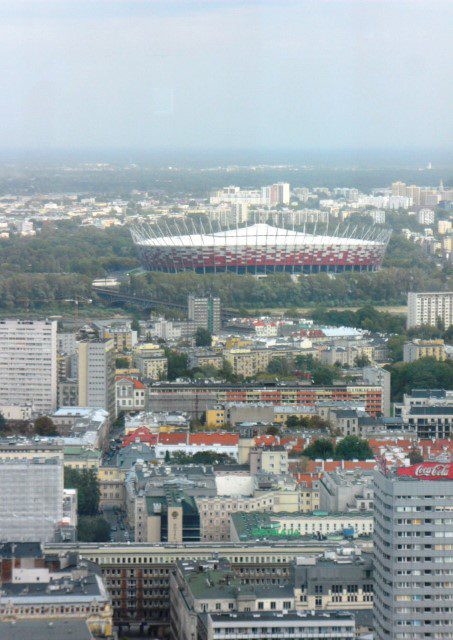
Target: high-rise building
(96,371)
(275,194)
(205,313)
(32,494)
(398,188)
(429,308)
(28,364)
(413,561)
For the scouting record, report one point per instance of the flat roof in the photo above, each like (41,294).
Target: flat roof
(45,630)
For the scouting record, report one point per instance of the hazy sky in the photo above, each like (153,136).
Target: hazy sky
(226,74)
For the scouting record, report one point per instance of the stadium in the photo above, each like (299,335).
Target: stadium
(257,248)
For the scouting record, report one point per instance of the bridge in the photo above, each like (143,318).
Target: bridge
(113,295)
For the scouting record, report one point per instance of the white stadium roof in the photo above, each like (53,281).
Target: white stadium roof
(256,234)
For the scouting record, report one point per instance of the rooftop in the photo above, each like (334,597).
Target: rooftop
(45,630)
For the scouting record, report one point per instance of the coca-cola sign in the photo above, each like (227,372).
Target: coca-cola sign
(428,471)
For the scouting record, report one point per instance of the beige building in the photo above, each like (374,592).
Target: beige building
(112,487)
(269,460)
(429,308)
(151,361)
(96,374)
(417,349)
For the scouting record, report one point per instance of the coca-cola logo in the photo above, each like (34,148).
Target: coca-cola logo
(428,471)
(437,470)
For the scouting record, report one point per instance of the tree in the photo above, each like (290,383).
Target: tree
(87,485)
(292,422)
(45,427)
(203,337)
(425,373)
(167,457)
(353,448)
(361,361)
(279,366)
(93,529)
(272,430)
(321,448)
(3,423)
(178,364)
(324,374)
(122,363)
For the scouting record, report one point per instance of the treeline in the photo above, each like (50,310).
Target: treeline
(389,286)
(367,318)
(70,248)
(426,373)
(65,260)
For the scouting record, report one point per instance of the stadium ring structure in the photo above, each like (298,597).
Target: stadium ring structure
(259,248)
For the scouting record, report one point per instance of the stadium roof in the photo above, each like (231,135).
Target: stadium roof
(255,234)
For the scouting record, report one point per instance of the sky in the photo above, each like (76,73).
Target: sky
(212,74)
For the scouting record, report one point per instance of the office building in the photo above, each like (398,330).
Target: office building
(32,495)
(429,308)
(413,561)
(28,364)
(416,349)
(205,313)
(96,370)
(342,490)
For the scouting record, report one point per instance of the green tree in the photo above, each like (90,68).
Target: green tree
(203,337)
(87,485)
(321,448)
(353,448)
(121,363)
(292,422)
(279,366)
(45,427)
(178,364)
(93,529)
(425,373)
(324,374)
(361,361)
(3,423)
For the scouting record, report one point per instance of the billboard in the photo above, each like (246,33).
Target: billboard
(428,471)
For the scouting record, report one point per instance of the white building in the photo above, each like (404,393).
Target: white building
(429,307)
(31,497)
(425,217)
(28,364)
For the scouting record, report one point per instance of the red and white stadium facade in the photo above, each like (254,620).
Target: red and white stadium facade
(258,249)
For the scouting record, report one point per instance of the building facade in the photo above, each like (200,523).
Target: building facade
(96,372)
(28,364)
(205,313)
(413,561)
(429,308)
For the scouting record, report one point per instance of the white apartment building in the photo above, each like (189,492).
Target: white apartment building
(28,364)
(425,217)
(32,496)
(429,307)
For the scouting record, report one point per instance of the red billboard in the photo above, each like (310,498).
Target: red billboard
(428,471)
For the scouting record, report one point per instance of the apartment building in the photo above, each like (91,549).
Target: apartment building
(429,308)
(413,561)
(416,349)
(195,398)
(96,374)
(205,313)
(130,394)
(28,364)
(32,495)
